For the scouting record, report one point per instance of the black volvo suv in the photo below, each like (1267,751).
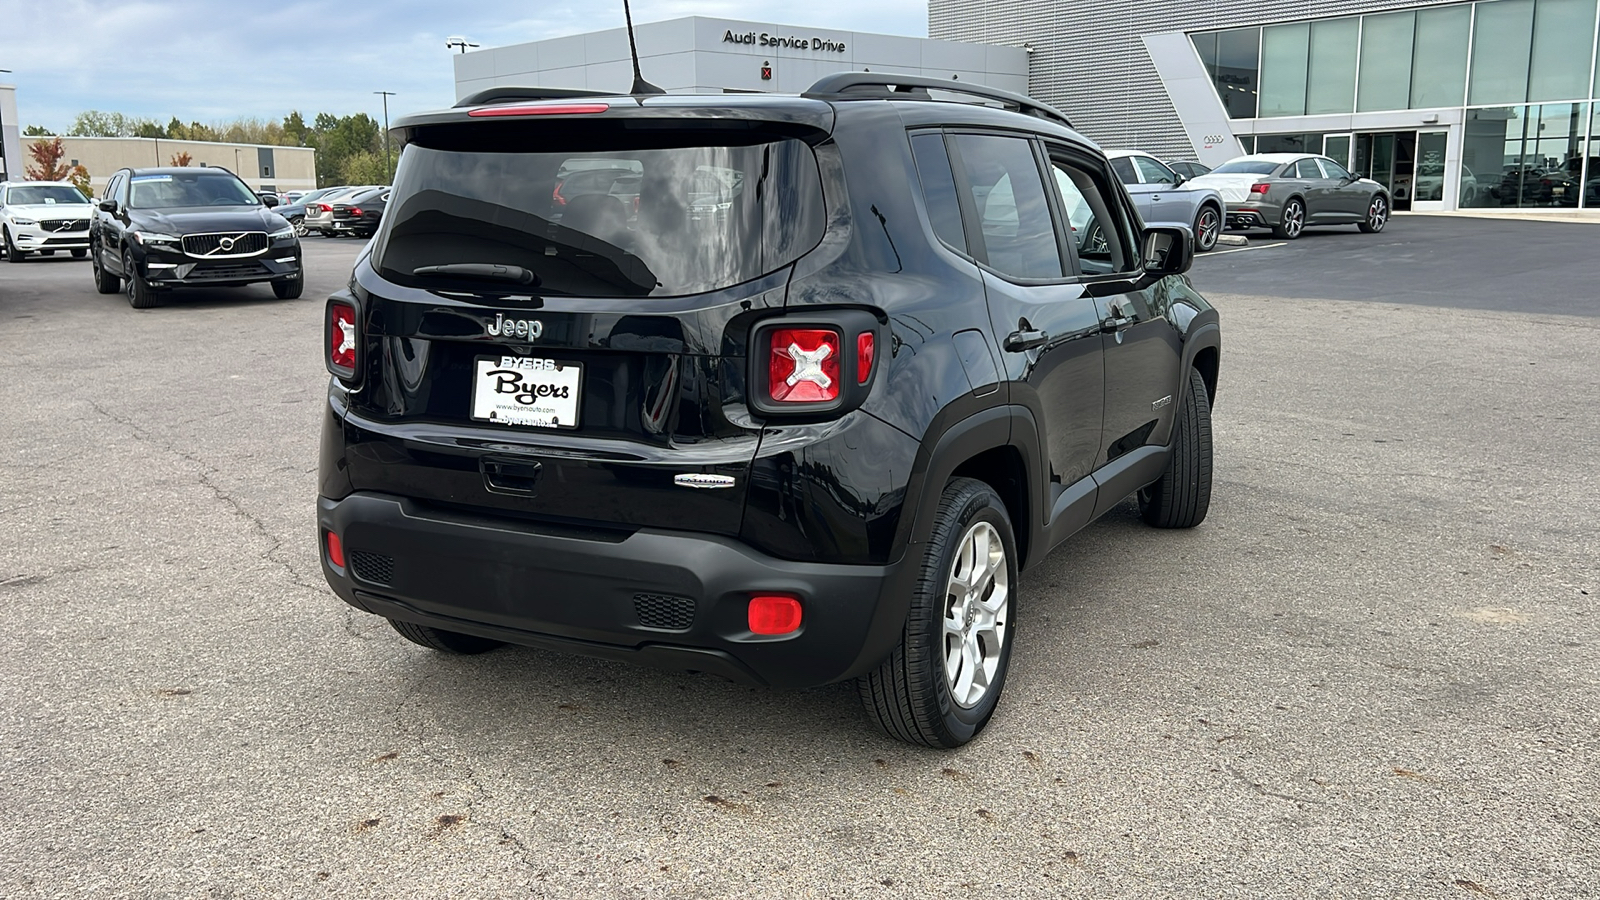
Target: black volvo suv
(790,391)
(179,226)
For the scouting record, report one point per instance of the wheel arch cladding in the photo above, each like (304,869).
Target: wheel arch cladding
(1206,362)
(1003,469)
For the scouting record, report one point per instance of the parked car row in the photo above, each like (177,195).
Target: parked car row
(336,211)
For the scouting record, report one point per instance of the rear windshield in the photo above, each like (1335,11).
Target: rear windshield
(1246,167)
(657,222)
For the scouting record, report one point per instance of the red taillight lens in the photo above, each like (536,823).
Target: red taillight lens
(556,194)
(342,338)
(803,365)
(553,109)
(324,207)
(355,210)
(1259,187)
(774,614)
(863,357)
(335,550)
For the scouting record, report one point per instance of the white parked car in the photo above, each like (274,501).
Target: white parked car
(43,217)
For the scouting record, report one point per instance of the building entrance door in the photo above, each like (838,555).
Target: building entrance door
(1390,159)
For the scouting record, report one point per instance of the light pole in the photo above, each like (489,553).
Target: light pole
(387,168)
(456,40)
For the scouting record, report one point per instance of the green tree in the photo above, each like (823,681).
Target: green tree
(366,167)
(295,128)
(149,129)
(35,131)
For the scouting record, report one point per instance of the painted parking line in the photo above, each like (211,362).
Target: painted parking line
(1244,249)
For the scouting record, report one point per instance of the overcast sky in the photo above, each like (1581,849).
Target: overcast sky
(210,60)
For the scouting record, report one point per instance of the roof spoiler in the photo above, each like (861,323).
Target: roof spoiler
(884,86)
(508,94)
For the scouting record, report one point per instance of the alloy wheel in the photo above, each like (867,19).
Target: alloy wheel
(1378,213)
(1207,227)
(1294,218)
(976,609)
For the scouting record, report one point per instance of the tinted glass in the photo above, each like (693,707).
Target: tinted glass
(43,195)
(1307,168)
(684,219)
(1123,167)
(1238,70)
(190,189)
(1500,45)
(1008,194)
(1386,61)
(1333,169)
(1563,35)
(1290,143)
(1439,60)
(939,189)
(1101,243)
(1331,75)
(1524,156)
(1154,172)
(1284,55)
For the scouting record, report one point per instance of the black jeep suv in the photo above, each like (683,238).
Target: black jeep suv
(169,227)
(791,394)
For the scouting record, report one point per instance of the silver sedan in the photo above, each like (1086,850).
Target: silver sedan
(1289,191)
(1163,197)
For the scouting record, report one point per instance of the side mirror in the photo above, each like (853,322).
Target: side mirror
(1179,177)
(109,206)
(270,201)
(1166,250)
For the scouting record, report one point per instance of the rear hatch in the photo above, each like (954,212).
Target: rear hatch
(555,311)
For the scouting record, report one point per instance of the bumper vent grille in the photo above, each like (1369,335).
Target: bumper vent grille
(374,568)
(664,611)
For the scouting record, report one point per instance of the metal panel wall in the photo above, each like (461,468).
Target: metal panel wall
(1089,59)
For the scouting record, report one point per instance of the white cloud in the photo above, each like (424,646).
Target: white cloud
(207,60)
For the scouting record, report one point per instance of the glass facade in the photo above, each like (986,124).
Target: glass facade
(1521,73)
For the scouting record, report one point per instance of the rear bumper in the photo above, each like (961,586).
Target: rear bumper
(674,600)
(1252,217)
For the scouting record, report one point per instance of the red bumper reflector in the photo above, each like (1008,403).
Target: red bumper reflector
(335,550)
(553,109)
(771,614)
(863,357)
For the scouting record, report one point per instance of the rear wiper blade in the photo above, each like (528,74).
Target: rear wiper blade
(485,271)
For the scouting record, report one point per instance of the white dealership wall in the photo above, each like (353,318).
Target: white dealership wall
(10,135)
(705,55)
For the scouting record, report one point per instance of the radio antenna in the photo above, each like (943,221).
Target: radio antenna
(640,86)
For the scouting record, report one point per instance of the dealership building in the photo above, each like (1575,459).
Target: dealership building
(1487,105)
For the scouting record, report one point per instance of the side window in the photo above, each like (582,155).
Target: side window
(939,188)
(1154,172)
(1307,168)
(1013,211)
(1123,167)
(1333,169)
(1092,214)
(122,188)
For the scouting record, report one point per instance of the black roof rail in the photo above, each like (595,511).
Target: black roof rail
(508,93)
(889,86)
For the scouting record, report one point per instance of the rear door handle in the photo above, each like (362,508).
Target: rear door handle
(1117,323)
(1018,341)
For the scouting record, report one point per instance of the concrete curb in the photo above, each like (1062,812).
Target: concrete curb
(1233,240)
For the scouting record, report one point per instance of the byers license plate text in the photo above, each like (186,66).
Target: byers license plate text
(525,390)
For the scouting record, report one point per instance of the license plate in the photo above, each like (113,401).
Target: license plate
(526,390)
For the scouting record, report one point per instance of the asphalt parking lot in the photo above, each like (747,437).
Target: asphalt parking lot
(1370,673)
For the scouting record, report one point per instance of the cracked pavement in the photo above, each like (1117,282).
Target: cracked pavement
(1369,674)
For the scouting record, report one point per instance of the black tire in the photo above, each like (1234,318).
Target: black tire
(104,282)
(139,294)
(79,254)
(1207,228)
(289,288)
(909,695)
(444,641)
(1182,496)
(1293,220)
(12,253)
(1377,214)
